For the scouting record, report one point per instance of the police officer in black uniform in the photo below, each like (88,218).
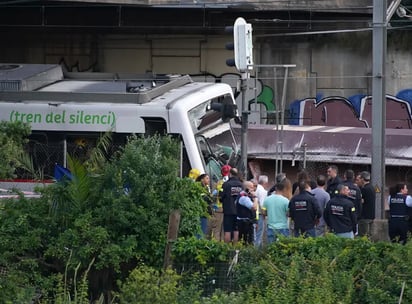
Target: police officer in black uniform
(355,194)
(304,211)
(246,206)
(399,202)
(230,191)
(333,181)
(340,213)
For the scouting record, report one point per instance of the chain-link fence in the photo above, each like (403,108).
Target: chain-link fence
(46,154)
(218,276)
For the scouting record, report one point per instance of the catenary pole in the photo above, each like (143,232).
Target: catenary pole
(245,122)
(379,103)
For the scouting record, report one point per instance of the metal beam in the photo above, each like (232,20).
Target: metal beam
(391,10)
(379,47)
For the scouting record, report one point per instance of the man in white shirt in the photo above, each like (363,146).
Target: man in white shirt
(261,193)
(322,197)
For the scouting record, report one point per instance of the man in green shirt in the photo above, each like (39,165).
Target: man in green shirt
(275,206)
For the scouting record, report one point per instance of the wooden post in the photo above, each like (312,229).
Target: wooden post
(172,232)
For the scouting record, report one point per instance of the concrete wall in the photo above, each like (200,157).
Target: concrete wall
(121,53)
(339,64)
(328,65)
(183,55)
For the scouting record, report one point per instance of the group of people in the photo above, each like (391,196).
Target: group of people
(345,207)
(247,210)
(211,223)
(232,207)
(308,207)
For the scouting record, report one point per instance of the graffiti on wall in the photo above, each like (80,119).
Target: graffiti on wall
(76,67)
(355,111)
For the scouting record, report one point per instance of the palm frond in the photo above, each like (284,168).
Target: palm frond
(79,187)
(25,161)
(98,155)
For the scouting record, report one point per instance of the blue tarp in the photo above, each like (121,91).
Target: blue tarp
(61,172)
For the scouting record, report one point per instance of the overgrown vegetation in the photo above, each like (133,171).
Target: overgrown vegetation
(13,137)
(100,238)
(114,212)
(313,270)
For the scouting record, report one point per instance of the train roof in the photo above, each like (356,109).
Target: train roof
(327,144)
(50,83)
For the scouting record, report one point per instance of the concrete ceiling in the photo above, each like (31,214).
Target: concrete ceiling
(353,6)
(183,17)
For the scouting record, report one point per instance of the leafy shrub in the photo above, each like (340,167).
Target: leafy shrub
(13,136)
(347,271)
(148,285)
(316,270)
(115,213)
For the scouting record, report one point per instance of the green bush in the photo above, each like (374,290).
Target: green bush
(147,285)
(346,271)
(314,270)
(13,136)
(114,213)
